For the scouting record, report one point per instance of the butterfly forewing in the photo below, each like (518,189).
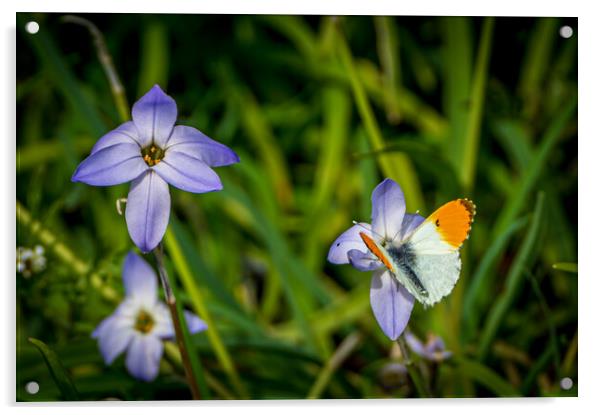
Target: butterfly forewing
(445,230)
(434,247)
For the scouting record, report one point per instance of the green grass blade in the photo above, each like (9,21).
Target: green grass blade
(566,266)
(476,296)
(106,61)
(540,365)
(59,374)
(486,377)
(388,53)
(198,303)
(537,64)
(458,57)
(261,136)
(154,59)
(528,180)
(346,347)
(337,116)
(298,32)
(513,281)
(470,143)
(28,224)
(395,166)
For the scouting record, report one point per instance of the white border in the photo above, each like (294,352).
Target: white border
(590,222)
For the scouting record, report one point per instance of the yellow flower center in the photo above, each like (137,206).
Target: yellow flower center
(144,322)
(152,155)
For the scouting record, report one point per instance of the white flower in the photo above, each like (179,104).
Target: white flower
(30,261)
(140,323)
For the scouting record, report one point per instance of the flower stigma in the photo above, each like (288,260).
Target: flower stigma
(152,155)
(144,322)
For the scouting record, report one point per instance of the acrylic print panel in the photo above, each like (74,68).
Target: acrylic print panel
(291,207)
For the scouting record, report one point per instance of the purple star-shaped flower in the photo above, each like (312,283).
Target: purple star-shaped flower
(140,323)
(391,303)
(433,350)
(151,151)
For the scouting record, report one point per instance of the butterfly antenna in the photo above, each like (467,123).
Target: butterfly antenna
(368,229)
(399,231)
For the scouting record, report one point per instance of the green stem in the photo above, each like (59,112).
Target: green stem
(200,308)
(62,251)
(414,374)
(338,357)
(107,63)
(396,166)
(170,298)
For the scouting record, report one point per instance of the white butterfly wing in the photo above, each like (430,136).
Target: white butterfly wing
(438,274)
(427,240)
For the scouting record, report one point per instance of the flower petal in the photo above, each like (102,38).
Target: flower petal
(112,165)
(388,209)
(410,222)
(391,303)
(163,327)
(147,210)
(188,173)
(143,357)
(190,141)
(415,344)
(139,279)
(154,115)
(114,334)
(194,323)
(126,133)
(348,240)
(363,261)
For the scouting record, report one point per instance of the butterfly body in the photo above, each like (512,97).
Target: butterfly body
(427,262)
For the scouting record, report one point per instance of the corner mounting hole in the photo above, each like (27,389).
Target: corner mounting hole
(566,383)
(566,31)
(32,27)
(32,388)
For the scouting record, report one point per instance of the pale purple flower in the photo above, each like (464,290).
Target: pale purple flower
(391,303)
(152,152)
(140,323)
(433,349)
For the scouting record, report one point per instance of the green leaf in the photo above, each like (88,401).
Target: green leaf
(485,376)
(470,142)
(457,54)
(396,166)
(513,281)
(566,266)
(59,374)
(154,59)
(474,298)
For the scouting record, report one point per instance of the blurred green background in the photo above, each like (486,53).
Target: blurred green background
(320,110)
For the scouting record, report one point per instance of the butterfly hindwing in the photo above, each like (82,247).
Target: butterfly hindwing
(437,275)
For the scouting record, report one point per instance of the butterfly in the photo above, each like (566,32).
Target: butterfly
(427,261)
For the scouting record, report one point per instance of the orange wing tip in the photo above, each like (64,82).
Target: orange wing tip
(453,221)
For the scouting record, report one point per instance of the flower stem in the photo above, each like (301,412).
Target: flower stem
(170,298)
(422,390)
(198,304)
(37,230)
(107,63)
